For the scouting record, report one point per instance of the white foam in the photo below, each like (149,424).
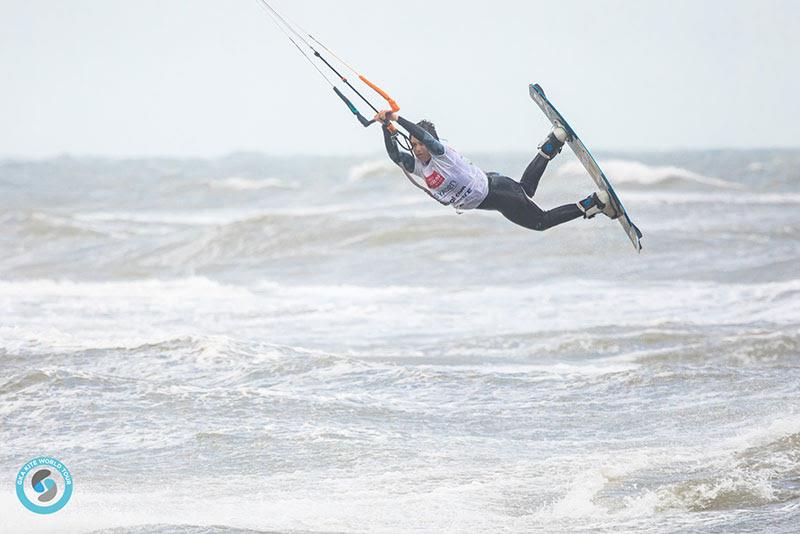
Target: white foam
(741,199)
(192,218)
(765,434)
(367,313)
(578,501)
(371,169)
(537,372)
(183,287)
(238,183)
(629,172)
(712,475)
(210,217)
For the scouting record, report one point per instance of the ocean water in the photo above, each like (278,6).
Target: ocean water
(312,345)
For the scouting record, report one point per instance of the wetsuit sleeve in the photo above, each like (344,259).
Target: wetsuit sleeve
(401,158)
(435,147)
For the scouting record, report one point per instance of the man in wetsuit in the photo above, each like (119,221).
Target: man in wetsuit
(453,180)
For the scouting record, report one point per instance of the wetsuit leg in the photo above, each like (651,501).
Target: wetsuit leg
(509,198)
(533,173)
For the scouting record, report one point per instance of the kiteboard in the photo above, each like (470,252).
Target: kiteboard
(585,157)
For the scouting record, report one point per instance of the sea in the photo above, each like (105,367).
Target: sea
(309,344)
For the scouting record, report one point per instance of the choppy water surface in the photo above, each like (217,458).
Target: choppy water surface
(311,345)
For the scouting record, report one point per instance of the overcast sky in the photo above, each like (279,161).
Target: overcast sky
(209,77)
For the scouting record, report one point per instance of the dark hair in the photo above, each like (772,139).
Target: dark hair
(429,127)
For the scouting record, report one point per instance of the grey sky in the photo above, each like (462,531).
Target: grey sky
(207,77)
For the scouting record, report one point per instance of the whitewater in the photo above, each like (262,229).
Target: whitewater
(263,344)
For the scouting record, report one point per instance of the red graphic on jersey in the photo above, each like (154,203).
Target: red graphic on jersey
(434,180)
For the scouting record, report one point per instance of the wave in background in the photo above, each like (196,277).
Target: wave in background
(311,345)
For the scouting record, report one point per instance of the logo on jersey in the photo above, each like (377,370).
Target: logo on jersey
(434,180)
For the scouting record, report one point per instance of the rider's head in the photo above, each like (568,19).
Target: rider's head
(420,150)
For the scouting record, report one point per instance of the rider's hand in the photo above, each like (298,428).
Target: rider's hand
(385,115)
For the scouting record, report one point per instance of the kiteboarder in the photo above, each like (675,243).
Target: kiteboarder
(449,177)
(453,180)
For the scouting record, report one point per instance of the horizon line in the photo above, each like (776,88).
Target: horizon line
(375,153)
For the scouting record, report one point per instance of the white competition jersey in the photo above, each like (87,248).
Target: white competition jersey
(453,180)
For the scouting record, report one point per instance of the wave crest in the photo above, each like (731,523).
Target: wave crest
(370,169)
(238,183)
(634,173)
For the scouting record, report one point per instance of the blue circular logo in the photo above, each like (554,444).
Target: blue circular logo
(44,485)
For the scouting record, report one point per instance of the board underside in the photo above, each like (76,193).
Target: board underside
(585,157)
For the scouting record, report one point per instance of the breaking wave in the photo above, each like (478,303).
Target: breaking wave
(238,183)
(370,169)
(636,174)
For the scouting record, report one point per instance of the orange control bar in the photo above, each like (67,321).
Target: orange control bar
(381,92)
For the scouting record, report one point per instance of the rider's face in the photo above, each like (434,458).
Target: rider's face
(420,150)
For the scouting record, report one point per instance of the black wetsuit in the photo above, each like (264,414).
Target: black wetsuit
(509,197)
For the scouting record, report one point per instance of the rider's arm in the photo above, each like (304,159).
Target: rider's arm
(431,143)
(401,158)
